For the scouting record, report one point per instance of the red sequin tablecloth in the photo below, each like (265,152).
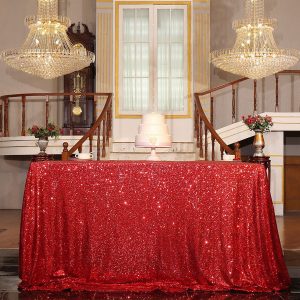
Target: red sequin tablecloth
(142,226)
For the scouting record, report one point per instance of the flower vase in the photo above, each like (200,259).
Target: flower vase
(42,143)
(258,144)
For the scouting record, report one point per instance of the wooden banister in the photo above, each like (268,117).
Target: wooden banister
(51,94)
(201,119)
(101,119)
(210,128)
(221,87)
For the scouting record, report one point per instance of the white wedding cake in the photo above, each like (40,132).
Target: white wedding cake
(153,132)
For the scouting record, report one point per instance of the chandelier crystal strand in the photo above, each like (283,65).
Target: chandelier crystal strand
(47,51)
(255,53)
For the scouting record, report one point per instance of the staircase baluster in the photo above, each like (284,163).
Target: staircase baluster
(107,127)
(212,123)
(23,114)
(47,109)
(87,107)
(233,104)
(104,139)
(1,117)
(277,93)
(237,151)
(71,116)
(206,143)
(255,97)
(222,152)
(80,149)
(201,138)
(91,142)
(98,141)
(95,108)
(110,119)
(196,135)
(6,132)
(212,148)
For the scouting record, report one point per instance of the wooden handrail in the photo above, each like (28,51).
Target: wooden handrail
(289,72)
(96,126)
(51,94)
(42,97)
(220,87)
(237,81)
(209,126)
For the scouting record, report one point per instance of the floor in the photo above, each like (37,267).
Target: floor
(289,231)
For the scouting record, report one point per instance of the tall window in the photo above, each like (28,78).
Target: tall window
(153,59)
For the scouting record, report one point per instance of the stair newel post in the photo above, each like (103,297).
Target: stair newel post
(212,123)
(206,142)
(47,110)
(98,141)
(233,103)
(65,153)
(23,114)
(255,97)
(104,139)
(237,151)
(6,101)
(277,92)
(1,117)
(91,142)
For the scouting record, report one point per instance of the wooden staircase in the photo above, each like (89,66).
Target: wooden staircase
(212,142)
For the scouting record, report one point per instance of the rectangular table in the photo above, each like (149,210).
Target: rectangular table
(141,226)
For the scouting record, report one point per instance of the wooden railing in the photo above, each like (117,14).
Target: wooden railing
(40,97)
(103,122)
(204,125)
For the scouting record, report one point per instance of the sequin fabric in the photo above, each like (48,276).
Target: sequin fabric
(142,226)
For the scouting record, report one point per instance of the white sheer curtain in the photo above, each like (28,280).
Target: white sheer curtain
(136,60)
(170,60)
(153,59)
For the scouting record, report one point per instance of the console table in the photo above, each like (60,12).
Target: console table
(141,226)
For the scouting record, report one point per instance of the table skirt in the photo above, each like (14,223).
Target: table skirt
(142,226)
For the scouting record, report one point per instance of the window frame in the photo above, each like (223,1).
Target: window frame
(153,6)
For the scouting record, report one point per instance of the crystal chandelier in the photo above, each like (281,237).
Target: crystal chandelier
(255,53)
(47,51)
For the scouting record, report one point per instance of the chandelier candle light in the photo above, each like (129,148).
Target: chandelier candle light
(48,52)
(153,133)
(255,53)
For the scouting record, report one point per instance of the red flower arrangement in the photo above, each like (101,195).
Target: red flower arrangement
(258,123)
(44,132)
